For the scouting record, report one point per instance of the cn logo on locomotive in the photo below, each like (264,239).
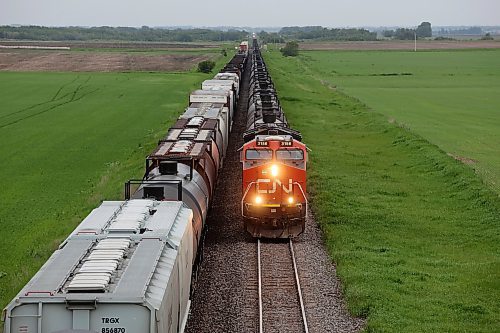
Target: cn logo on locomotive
(275,183)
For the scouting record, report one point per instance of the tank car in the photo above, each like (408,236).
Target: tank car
(186,162)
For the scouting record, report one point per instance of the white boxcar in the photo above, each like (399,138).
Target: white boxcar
(215,96)
(229,76)
(125,269)
(223,85)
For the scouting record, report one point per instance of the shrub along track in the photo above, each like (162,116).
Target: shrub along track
(226,297)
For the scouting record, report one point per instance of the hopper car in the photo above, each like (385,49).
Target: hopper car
(130,266)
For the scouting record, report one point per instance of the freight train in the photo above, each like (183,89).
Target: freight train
(274,203)
(129,265)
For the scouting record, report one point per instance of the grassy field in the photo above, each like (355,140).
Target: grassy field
(451,98)
(68,141)
(415,233)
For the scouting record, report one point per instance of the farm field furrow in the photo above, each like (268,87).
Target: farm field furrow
(99,60)
(414,232)
(69,141)
(451,98)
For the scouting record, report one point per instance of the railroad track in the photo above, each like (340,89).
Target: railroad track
(281,307)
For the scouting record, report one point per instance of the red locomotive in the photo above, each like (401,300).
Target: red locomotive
(274,203)
(274,200)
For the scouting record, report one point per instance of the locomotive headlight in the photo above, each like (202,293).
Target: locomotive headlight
(274,170)
(290,200)
(258,200)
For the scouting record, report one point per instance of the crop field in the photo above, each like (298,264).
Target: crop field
(103,60)
(451,98)
(69,141)
(414,232)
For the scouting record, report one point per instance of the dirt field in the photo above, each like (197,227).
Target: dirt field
(70,61)
(402,45)
(115,45)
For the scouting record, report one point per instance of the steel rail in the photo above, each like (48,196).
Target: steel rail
(297,282)
(261,327)
(299,290)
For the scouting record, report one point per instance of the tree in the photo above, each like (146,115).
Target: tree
(184,37)
(269,38)
(388,33)
(404,34)
(206,66)
(487,37)
(424,30)
(291,49)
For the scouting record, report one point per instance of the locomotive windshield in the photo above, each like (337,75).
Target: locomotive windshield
(289,154)
(259,154)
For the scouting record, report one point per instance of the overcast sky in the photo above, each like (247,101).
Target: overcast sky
(330,13)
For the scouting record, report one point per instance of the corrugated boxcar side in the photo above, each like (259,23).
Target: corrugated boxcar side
(173,312)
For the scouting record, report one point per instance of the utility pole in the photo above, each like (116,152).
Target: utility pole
(415,40)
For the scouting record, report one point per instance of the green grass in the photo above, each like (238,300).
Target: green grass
(69,141)
(451,98)
(415,234)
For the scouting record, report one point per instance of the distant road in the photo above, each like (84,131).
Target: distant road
(35,47)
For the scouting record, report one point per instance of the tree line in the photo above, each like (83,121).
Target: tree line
(464,31)
(118,34)
(321,33)
(177,35)
(199,35)
(422,31)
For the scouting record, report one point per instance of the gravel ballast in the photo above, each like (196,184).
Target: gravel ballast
(226,295)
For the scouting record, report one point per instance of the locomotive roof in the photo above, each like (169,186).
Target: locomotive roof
(270,129)
(119,252)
